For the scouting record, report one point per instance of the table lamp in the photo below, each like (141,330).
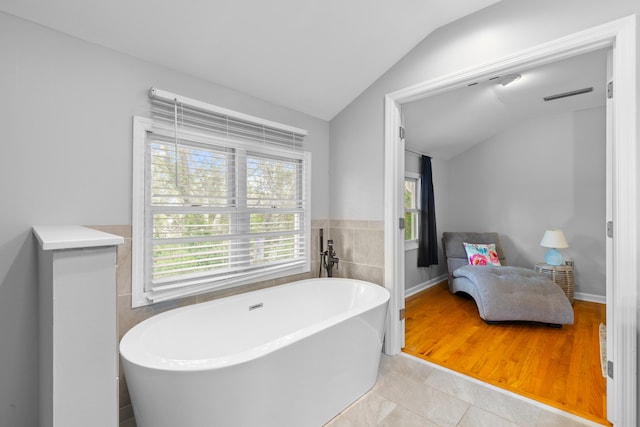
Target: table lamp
(553,239)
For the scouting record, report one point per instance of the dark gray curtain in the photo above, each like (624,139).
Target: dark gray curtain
(428,241)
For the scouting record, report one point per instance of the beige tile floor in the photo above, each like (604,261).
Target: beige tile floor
(411,392)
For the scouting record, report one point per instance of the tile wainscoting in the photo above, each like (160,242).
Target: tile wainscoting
(358,244)
(360,247)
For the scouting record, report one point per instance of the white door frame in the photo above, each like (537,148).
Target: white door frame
(610,291)
(621,35)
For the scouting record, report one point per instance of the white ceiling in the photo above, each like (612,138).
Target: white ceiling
(313,56)
(445,125)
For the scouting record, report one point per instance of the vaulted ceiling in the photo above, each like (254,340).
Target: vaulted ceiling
(449,123)
(313,56)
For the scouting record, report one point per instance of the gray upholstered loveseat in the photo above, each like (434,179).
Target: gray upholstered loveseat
(503,293)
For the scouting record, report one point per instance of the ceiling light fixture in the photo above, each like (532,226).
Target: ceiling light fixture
(508,79)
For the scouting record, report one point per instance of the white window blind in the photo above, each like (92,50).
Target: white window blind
(225,199)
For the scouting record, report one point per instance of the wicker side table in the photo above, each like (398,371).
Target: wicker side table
(561,275)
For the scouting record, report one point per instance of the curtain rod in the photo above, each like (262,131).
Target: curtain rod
(417,153)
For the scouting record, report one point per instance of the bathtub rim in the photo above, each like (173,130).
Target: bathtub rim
(146,360)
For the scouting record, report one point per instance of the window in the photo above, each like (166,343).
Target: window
(411,210)
(217,202)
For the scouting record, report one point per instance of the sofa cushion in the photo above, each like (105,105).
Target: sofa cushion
(481,254)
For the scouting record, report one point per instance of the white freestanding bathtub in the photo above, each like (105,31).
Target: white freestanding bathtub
(292,355)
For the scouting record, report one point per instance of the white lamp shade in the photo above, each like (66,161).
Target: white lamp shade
(554,239)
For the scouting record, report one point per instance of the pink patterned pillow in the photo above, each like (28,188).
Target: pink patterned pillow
(481,254)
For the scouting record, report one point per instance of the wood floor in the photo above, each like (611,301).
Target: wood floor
(559,367)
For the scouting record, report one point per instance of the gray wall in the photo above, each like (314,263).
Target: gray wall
(485,36)
(67,113)
(357,146)
(546,172)
(414,275)
(67,108)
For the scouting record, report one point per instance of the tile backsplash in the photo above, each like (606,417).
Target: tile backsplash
(358,244)
(360,247)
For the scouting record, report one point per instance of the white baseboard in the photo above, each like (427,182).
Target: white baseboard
(432,282)
(590,297)
(424,285)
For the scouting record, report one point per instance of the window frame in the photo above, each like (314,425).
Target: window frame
(416,177)
(142,295)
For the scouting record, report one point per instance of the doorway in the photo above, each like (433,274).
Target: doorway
(623,299)
(513,163)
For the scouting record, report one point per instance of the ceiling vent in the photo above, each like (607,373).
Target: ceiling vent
(568,94)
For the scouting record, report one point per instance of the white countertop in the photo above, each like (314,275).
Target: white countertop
(53,237)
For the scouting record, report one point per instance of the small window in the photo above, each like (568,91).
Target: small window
(214,211)
(411,210)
